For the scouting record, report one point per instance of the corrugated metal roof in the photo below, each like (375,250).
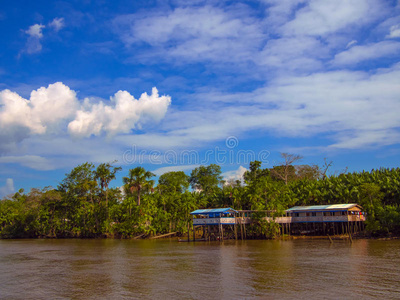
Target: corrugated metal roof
(323,207)
(213,211)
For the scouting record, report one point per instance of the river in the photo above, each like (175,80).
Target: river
(166,269)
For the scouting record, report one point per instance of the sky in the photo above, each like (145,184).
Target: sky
(171,85)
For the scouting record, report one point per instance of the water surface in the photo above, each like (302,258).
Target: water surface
(165,269)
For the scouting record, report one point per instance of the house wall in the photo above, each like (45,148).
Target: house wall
(214,221)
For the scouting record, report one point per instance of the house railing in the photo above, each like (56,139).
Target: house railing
(279,220)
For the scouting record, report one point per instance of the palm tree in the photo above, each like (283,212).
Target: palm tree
(138,181)
(104,174)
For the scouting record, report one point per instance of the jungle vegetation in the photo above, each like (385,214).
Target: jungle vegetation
(85,205)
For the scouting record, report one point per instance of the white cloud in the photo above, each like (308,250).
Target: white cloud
(279,12)
(35,31)
(301,53)
(35,35)
(33,44)
(30,161)
(64,152)
(124,114)
(344,102)
(51,111)
(43,113)
(325,17)
(294,36)
(8,188)
(351,43)
(362,53)
(339,105)
(194,33)
(57,24)
(167,169)
(394,32)
(234,175)
(289,45)
(366,139)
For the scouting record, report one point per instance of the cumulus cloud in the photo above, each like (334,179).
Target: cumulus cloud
(8,188)
(43,113)
(232,176)
(54,109)
(57,24)
(124,113)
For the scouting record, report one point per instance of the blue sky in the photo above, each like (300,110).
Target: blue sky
(175,84)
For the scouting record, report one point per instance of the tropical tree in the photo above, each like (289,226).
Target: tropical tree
(138,182)
(104,174)
(286,170)
(81,201)
(206,180)
(174,181)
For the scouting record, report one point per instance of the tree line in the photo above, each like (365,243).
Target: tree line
(84,205)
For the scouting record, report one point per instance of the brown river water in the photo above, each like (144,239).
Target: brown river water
(166,269)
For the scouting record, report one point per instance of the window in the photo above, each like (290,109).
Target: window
(314,214)
(296,214)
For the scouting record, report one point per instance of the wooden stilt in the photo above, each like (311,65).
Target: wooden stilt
(314,229)
(188,228)
(287,229)
(330,239)
(342,228)
(235,229)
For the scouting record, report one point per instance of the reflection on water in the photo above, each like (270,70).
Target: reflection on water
(123,269)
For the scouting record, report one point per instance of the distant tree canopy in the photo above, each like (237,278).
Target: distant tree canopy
(206,179)
(84,204)
(174,182)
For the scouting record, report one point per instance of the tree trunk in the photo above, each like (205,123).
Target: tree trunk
(107,215)
(94,213)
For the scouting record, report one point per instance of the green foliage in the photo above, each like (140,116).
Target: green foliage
(173,182)
(84,205)
(138,182)
(206,179)
(261,228)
